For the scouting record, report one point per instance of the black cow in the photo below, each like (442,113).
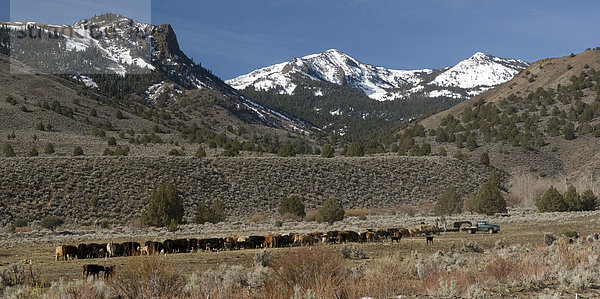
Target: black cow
(168,246)
(130,248)
(154,247)
(180,245)
(82,251)
(192,245)
(255,241)
(94,270)
(283,240)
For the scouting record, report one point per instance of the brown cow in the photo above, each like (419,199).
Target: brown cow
(230,243)
(403,232)
(270,241)
(370,237)
(143,250)
(343,236)
(59,253)
(66,252)
(303,240)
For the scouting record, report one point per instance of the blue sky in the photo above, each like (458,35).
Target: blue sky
(235,37)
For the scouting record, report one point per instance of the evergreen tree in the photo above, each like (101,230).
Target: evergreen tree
(572,199)
(449,203)
(328,151)
(490,200)
(589,201)
(551,201)
(331,211)
(484,159)
(165,205)
(569,131)
(355,150)
(292,205)
(471,142)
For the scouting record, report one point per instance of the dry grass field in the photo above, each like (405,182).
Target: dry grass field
(521,237)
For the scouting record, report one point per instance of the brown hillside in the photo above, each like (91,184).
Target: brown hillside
(549,71)
(207,108)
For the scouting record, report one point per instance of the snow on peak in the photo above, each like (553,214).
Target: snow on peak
(480,70)
(331,66)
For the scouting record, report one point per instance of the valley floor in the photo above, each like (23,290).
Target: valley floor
(521,235)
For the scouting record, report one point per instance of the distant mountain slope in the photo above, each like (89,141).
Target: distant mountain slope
(470,77)
(338,93)
(542,124)
(127,60)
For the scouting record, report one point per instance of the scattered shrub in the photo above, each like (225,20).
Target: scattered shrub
(214,214)
(354,252)
(549,239)
(112,141)
(484,159)
(20,222)
(147,278)
(278,223)
(258,217)
(104,224)
(323,271)
(78,151)
(11,100)
(51,222)
(33,152)
(94,201)
(262,258)
(570,234)
(471,246)
(292,205)
(49,148)
(8,150)
(200,153)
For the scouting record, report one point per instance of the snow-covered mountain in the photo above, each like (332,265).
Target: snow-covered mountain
(114,45)
(466,79)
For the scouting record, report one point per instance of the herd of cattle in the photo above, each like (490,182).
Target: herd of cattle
(94,250)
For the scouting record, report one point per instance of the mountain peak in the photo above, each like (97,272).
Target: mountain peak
(474,75)
(479,56)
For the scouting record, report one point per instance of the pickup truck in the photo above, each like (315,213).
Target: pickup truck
(482,226)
